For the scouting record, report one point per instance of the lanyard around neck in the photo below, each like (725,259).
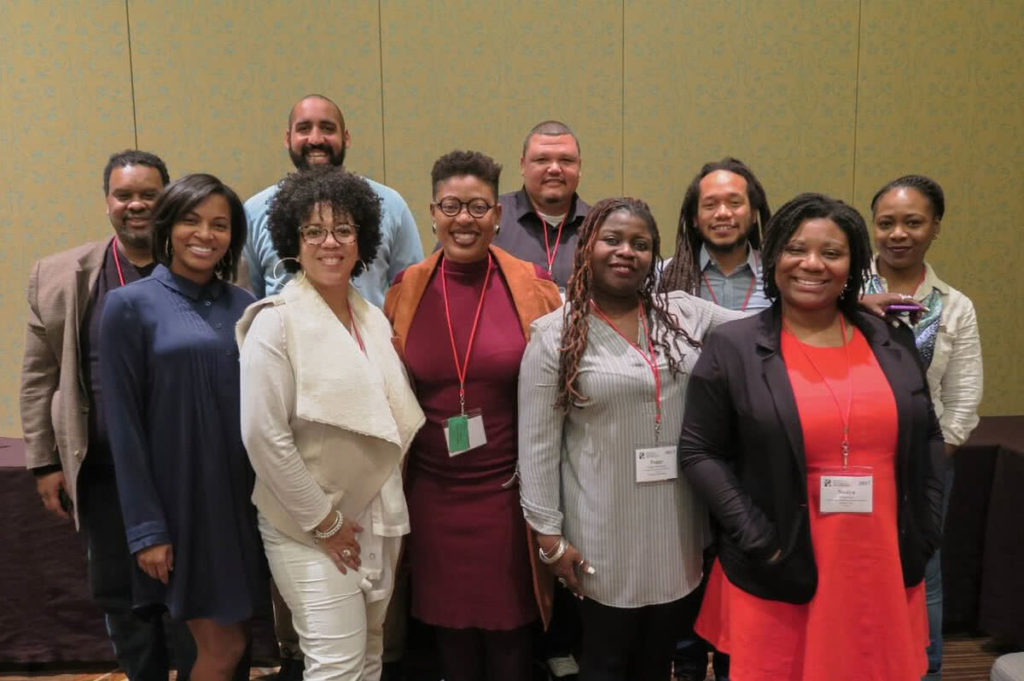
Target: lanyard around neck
(462,369)
(649,358)
(117,261)
(750,288)
(550,253)
(844,417)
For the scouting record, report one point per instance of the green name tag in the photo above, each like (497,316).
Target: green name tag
(458,434)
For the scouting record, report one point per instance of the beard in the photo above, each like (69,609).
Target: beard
(299,158)
(135,240)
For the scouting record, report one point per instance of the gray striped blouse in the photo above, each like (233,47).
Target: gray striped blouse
(578,469)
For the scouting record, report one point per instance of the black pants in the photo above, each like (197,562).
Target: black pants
(630,644)
(145,646)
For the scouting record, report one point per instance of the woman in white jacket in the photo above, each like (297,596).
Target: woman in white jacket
(327,415)
(907,215)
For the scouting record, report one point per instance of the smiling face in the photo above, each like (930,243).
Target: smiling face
(329,264)
(551,171)
(813,266)
(130,199)
(724,215)
(622,256)
(200,238)
(316,135)
(464,238)
(904,228)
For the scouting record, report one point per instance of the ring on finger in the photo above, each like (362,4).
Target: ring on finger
(346,553)
(561,580)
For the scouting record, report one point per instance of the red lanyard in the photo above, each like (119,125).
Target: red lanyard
(750,289)
(460,370)
(355,332)
(117,261)
(844,417)
(651,359)
(548,252)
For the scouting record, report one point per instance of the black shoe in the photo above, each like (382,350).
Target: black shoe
(291,669)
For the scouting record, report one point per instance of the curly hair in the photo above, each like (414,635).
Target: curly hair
(576,311)
(183,195)
(787,221)
(683,273)
(928,187)
(300,192)
(457,163)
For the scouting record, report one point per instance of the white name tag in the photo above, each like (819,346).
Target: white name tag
(847,493)
(654,464)
(464,432)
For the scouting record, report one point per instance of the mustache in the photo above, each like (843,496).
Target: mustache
(318,147)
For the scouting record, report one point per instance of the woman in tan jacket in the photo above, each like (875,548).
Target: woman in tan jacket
(461,321)
(327,415)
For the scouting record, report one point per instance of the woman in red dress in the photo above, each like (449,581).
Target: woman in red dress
(461,320)
(810,433)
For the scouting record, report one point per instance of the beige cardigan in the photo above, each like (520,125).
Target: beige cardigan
(325,426)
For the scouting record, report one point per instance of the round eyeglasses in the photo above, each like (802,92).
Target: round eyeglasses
(451,207)
(315,235)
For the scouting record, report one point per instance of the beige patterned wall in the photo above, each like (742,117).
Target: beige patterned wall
(833,96)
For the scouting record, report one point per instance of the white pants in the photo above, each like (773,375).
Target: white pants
(340,632)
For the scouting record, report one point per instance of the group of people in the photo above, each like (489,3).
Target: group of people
(539,426)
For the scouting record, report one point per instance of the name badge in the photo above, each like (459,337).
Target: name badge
(464,432)
(849,490)
(654,464)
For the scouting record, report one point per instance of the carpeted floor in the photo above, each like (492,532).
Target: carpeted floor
(966,659)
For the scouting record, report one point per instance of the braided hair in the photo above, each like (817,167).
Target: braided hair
(683,273)
(578,294)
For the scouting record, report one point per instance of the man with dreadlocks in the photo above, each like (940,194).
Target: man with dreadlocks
(601,397)
(719,234)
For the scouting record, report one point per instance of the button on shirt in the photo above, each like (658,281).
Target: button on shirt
(730,291)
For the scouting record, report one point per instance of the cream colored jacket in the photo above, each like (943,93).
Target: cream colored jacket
(325,426)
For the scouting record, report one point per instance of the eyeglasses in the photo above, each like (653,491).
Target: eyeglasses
(315,235)
(451,207)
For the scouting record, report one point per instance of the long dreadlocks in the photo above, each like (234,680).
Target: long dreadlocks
(576,315)
(683,273)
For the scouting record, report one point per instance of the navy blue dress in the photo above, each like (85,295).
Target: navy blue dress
(169,366)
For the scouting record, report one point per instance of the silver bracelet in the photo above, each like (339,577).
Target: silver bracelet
(555,555)
(334,529)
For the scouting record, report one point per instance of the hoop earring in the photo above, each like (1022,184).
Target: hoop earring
(280,262)
(170,251)
(365,267)
(433,227)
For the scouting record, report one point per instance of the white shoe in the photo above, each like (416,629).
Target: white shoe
(562,667)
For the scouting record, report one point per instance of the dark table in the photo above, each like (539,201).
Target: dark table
(983,547)
(46,611)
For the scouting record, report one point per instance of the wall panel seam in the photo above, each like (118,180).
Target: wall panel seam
(131,73)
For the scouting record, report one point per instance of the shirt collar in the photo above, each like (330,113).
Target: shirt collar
(577,210)
(187,287)
(931,281)
(706,260)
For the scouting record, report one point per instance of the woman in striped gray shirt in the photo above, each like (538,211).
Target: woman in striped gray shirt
(601,394)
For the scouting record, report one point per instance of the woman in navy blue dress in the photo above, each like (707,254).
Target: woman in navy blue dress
(169,367)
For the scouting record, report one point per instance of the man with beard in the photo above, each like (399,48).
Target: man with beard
(317,135)
(716,258)
(539,222)
(719,233)
(66,444)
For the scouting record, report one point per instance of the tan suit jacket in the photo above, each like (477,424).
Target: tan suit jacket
(54,397)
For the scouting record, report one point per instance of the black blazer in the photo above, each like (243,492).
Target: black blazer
(742,449)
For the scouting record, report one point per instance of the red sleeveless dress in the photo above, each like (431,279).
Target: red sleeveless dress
(862,624)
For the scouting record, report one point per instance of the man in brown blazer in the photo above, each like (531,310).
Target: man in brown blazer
(61,404)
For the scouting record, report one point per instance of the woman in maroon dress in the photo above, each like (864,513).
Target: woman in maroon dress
(461,319)
(810,433)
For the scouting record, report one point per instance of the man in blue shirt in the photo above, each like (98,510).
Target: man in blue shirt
(317,135)
(724,211)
